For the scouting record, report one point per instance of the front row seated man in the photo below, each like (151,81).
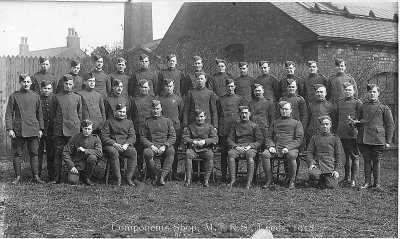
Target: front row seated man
(244,140)
(325,150)
(199,138)
(158,138)
(118,138)
(81,154)
(283,139)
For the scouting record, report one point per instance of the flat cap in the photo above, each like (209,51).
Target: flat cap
(86,123)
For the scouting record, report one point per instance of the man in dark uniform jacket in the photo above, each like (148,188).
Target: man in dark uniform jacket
(66,112)
(140,111)
(268,81)
(116,98)
(24,123)
(262,110)
(244,140)
(375,132)
(143,73)
(120,75)
(172,105)
(93,104)
(158,137)
(217,81)
(171,73)
(282,88)
(190,80)
(103,84)
(334,86)
(199,138)
(228,115)
(78,81)
(283,139)
(313,78)
(43,74)
(326,151)
(118,139)
(244,82)
(346,110)
(82,152)
(46,141)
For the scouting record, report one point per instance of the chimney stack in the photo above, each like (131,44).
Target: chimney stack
(23,46)
(73,40)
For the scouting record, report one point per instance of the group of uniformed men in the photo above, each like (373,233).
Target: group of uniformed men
(150,117)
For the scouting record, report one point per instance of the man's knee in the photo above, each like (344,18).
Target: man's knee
(148,153)
(112,153)
(314,174)
(91,159)
(130,152)
(169,151)
(292,155)
(190,154)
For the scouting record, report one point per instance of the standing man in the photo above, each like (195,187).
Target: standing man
(171,73)
(199,138)
(244,140)
(346,109)
(244,82)
(158,137)
(190,80)
(263,110)
(120,75)
(143,73)
(284,139)
(172,105)
(375,132)
(313,78)
(217,81)
(24,124)
(78,81)
(119,137)
(102,80)
(46,141)
(93,104)
(116,98)
(82,152)
(334,87)
(282,88)
(43,74)
(227,108)
(66,112)
(268,81)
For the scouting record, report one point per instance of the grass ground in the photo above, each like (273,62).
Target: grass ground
(175,211)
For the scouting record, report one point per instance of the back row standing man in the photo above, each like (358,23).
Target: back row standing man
(218,80)
(121,76)
(102,80)
(190,80)
(334,86)
(143,72)
(42,75)
(171,72)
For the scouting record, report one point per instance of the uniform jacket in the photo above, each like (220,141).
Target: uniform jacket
(120,131)
(112,101)
(190,82)
(141,109)
(125,82)
(91,144)
(346,107)
(245,133)
(262,113)
(93,108)
(217,83)
(78,84)
(172,107)
(326,150)
(66,113)
(175,74)
(158,131)
(103,84)
(316,109)
(244,87)
(150,76)
(270,84)
(199,132)
(283,83)
(335,88)
(299,108)
(39,77)
(284,132)
(313,78)
(45,102)
(378,127)
(203,99)
(227,108)
(24,114)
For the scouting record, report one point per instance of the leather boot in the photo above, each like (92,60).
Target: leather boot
(119,182)
(377,173)
(232,172)
(16,180)
(188,182)
(37,179)
(130,182)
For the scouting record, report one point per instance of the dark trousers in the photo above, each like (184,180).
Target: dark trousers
(176,147)
(87,165)
(290,157)
(46,142)
(139,149)
(352,154)
(167,159)
(372,155)
(206,155)
(325,180)
(17,145)
(59,143)
(131,158)
(224,156)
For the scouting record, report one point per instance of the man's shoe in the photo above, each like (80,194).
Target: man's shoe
(130,182)
(206,185)
(291,185)
(352,183)
(345,183)
(365,186)
(37,179)
(188,182)
(119,182)
(161,182)
(232,183)
(266,185)
(16,180)
(248,185)
(88,182)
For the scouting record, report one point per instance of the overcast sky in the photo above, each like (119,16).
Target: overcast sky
(99,23)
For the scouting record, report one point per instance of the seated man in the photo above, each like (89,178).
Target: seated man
(82,152)
(244,140)
(325,149)
(158,138)
(118,137)
(199,138)
(283,139)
